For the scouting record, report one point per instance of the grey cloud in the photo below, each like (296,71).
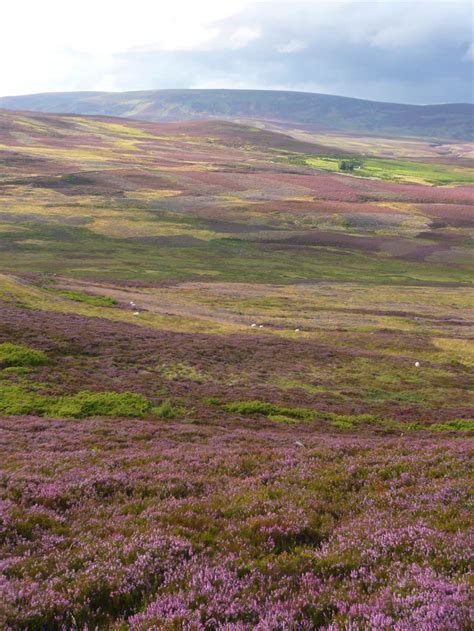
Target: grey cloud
(391,51)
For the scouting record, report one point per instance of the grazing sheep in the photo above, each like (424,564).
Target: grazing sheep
(297,330)
(417,364)
(136,313)
(253,325)
(261,326)
(298,444)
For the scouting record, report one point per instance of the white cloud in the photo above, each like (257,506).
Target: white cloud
(58,45)
(243,36)
(469,54)
(293,46)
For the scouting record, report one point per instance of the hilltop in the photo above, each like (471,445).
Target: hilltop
(315,111)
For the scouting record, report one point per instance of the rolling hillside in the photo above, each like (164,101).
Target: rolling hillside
(317,111)
(236,383)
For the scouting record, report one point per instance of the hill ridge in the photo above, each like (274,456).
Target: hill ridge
(449,121)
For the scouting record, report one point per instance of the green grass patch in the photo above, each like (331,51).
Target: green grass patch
(249,408)
(16,370)
(278,418)
(390,170)
(166,410)
(293,384)
(457,425)
(19,356)
(81,253)
(182,371)
(408,396)
(282,414)
(348,421)
(79,296)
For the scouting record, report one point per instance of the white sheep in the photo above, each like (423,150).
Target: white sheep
(136,313)
(417,364)
(253,325)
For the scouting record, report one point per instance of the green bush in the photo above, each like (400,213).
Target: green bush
(269,409)
(166,410)
(20,356)
(349,165)
(283,414)
(14,400)
(16,370)
(457,425)
(87,404)
(278,418)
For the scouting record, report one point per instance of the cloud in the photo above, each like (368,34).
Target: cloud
(243,37)
(419,51)
(293,46)
(469,55)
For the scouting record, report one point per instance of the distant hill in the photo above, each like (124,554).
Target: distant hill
(453,121)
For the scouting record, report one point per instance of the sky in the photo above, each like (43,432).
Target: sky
(420,51)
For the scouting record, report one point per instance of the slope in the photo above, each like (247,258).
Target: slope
(321,111)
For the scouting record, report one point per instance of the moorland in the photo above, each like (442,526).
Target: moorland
(236,376)
(447,121)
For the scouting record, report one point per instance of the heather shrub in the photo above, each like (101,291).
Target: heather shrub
(20,356)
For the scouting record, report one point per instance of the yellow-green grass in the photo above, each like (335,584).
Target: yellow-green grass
(19,292)
(461,349)
(395,170)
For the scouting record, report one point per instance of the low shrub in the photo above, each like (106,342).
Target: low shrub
(283,414)
(20,356)
(86,404)
(15,400)
(270,409)
(457,425)
(165,410)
